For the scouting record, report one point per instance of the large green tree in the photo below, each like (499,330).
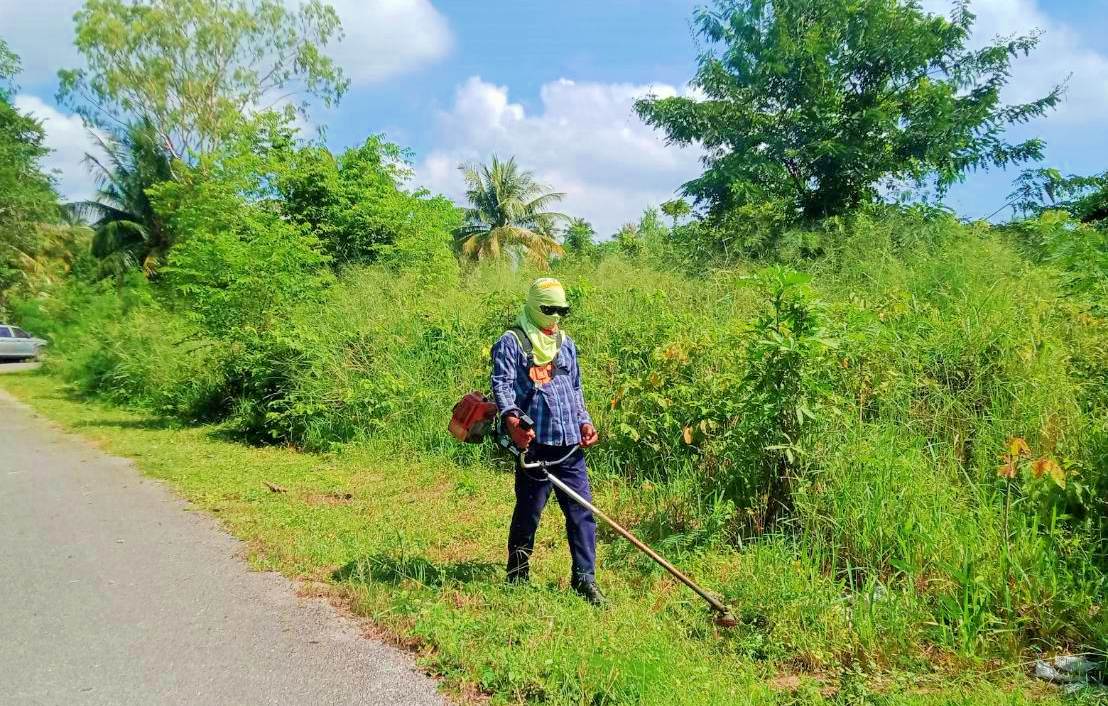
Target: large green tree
(27,196)
(508,214)
(193,68)
(818,104)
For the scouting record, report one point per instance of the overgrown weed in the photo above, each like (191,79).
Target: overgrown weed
(938,345)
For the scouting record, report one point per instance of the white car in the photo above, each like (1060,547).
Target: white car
(17,344)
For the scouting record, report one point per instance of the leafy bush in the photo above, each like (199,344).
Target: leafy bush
(1079,250)
(355,204)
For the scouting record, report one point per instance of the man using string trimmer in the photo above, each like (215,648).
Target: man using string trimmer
(536,385)
(537,390)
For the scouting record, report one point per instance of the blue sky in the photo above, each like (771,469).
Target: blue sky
(553,82)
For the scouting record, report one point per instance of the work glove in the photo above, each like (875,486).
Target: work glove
(589,437)
(521,437)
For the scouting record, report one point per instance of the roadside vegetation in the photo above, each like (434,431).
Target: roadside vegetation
(880,432)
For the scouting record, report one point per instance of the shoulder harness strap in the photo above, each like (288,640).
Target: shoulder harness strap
(524,342)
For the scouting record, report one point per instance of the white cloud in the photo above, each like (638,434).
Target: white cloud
(69,141)
(42,34)
(585,141)
(1060,53)
(386,38)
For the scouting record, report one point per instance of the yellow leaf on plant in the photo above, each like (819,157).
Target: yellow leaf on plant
(1051,468)
(1039,467)
(1008,470)
(1018,447)
(687,435)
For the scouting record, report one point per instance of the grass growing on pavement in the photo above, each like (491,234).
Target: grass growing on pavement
(415,544)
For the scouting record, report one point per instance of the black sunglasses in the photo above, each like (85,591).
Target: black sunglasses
(551,310)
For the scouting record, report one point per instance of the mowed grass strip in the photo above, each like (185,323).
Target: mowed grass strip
(415,544)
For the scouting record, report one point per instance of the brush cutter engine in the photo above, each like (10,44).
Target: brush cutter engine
(475,419)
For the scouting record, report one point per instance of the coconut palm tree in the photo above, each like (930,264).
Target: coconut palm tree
(127,233)
(508,214)
(579,237)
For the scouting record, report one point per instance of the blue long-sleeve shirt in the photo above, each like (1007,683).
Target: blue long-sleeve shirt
(558,407)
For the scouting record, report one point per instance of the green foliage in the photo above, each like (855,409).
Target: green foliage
(578,239)
(119,343)
(724,409)
(1040,190)
(238,264)
(508,216)
(27,196)
(1079,250)
(749,230)
(256,225)
(767,414)
(356,204)
(629,241)
(127,234)
(10,66)
(236,275)
(193,68)
(676,209)
(814,106)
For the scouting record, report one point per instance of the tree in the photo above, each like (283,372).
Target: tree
(26,191)
(676,209)
(238,265)
(817,104)
(356,202)
(128,233)
(27,196)
(1039,190)
(508,214)
(193,68)
(579,237)
(629,240)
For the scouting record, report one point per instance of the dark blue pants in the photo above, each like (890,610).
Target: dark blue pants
(531,497)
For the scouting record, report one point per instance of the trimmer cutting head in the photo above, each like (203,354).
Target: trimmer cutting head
(725,619)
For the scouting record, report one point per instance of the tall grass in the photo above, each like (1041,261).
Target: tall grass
(945,343)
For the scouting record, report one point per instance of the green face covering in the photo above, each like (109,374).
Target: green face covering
(545,291)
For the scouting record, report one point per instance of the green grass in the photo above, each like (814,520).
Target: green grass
(417,548)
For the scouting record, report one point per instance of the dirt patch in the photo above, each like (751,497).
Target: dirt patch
(330,499)
(785,682)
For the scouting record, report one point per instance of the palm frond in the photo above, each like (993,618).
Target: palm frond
(95,212)
(507,213)
(128,232)
(118,236)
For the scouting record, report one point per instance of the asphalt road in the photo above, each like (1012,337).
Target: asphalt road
(113,592)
